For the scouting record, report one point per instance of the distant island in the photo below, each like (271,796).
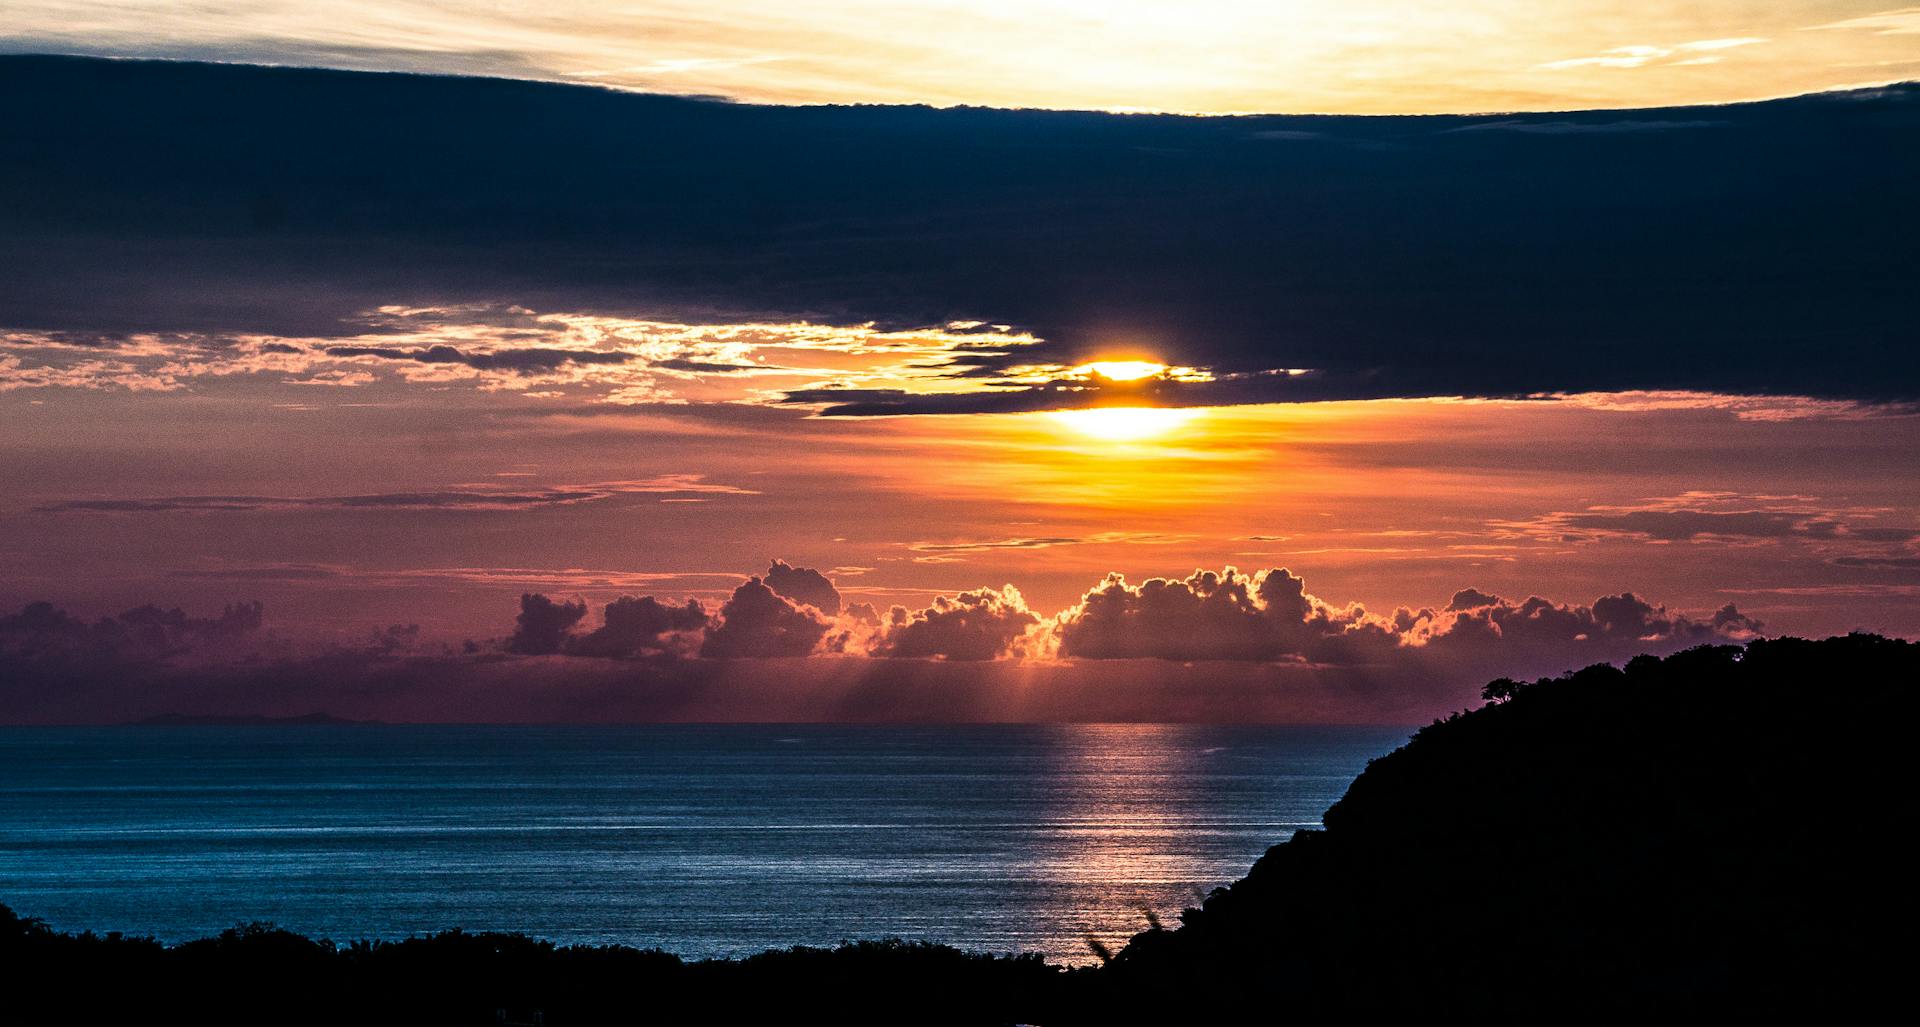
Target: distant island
(1709,836)
(243,720)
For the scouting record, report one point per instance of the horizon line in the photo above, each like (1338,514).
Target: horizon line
(1120,112)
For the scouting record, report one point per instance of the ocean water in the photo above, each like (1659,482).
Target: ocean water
(703,840)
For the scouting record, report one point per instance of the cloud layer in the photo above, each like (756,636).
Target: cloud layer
(1707,250)
(1271,645)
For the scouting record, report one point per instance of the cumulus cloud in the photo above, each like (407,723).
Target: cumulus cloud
(803,585)
(1269,617)
(984,624)
(1228,638)
(543,625)
(1214,616)
(1224,616)
(395,638)
(759,622)
(41,632)
(639,626)
(1469,598)
(1535,629)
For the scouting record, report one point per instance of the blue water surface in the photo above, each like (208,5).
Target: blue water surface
(703,840)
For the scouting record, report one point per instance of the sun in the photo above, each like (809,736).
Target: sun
(1122,370)
(1124,424)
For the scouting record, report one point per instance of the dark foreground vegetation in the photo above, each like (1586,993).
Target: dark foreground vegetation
(1716,833)
(1719,833)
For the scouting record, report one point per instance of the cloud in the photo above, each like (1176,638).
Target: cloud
(705,366)
(1689,517)
(89,374)
(1063,388)
(1224,616)
(476,498)
(519,578)
(518,361)
(271,572)
(543,626)
(1213,645)
(1535,629)
(1560,128)
(1618,57)
(640,626)
(758,622)
(42,632)
(948,552)
(445,500)
(983,624)
(989,545)
(1407,261)
(80,340)
(1269,617)
(1878,563)
(786,613)
(1686,525)
(1640,56)
(1721,44)
(1214,616)
(595,358)
(1471,598)
(1898,22)
(804,585)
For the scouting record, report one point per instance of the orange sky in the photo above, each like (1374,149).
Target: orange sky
(677,404)
(1677,497)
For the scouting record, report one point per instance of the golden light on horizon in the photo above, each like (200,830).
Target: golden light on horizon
(1125,424)
(1208,56)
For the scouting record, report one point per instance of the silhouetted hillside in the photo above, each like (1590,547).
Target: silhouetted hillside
(1718,833)
(256,974)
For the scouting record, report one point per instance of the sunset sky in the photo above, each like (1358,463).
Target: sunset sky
(1203,56)
(383,351)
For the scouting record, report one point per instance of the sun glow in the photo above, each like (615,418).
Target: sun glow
(1122,370)
(1124,424)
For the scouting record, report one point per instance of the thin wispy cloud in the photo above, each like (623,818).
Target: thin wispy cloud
(1642,55)
(1902,21)
(456,499)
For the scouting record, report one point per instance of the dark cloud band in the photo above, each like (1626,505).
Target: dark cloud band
(1758,248)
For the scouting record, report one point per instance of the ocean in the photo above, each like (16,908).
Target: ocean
(702,840)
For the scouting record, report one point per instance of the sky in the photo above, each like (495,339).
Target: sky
(1204,56)
(408,398)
